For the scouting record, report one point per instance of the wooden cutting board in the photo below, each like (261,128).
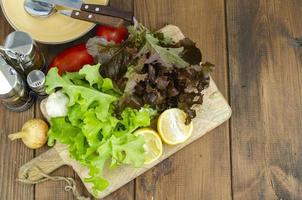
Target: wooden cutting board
(214,111)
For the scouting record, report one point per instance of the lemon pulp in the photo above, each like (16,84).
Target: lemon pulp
(153,145)
(172,128)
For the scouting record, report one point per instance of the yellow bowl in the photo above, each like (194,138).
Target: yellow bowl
(55,29)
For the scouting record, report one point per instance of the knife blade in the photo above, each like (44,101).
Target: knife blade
(74,4)
(94,18)
(93,8)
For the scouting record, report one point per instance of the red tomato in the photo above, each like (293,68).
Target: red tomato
(72,59)
(118,35)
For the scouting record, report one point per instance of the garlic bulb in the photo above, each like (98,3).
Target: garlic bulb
(33,133)
(56,105)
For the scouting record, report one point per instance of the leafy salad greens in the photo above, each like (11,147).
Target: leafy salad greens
(152,69)
(146,74)
(91,130)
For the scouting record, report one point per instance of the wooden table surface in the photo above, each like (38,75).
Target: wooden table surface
(255,155)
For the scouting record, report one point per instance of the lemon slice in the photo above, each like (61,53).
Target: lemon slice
(153,146)
(172,128)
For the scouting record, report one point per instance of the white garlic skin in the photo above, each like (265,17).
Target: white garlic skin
(56,105)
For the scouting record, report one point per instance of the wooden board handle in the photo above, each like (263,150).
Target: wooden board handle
(46,162)
(96,18)
(107,10)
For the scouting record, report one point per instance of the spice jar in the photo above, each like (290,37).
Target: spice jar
(36,82)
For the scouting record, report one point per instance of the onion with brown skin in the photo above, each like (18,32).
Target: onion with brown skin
(33,133)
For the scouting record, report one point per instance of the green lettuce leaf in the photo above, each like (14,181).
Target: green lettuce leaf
(129,149)
(94,135)
(94,78)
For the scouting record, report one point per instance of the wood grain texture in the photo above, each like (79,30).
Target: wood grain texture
(47,162)
(202,169)
(265,76)
(108,10)
(266,97)
(12,154)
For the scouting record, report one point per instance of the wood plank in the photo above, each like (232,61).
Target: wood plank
(12,154)
(266,97)
(202,169)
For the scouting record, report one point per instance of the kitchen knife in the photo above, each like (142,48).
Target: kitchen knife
(95,18)
(93,8)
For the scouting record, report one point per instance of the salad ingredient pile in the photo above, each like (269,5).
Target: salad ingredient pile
(33,133)
(107,105)
(74,58)
(153,69)
(92,132)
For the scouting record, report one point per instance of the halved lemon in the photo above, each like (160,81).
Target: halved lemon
(172,128)
(153,146)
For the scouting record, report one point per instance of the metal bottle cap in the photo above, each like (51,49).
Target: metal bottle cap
(22,52)
(21,43)
(36,81)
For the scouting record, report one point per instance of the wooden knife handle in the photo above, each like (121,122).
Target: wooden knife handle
(96,18)
(46,162)
(107,10)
